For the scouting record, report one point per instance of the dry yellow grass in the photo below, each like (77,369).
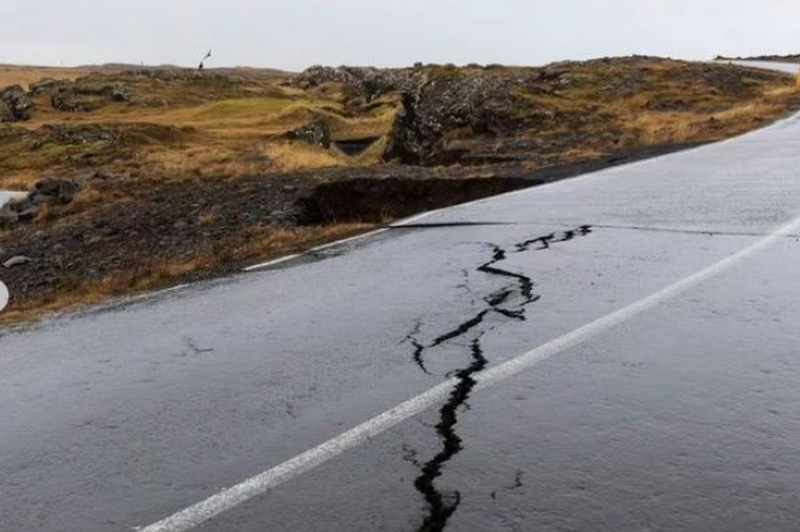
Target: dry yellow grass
(375,125)
(665,128)
(214,159)
(655,128)
(206,219)
(228,138)
(295,156)
(19,75)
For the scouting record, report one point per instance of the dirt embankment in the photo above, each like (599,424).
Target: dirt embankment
(144,178)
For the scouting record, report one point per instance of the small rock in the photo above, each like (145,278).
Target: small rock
(28,213)
(16,106)
(8,216)
(315,133)
(41,199)
(53,191)
(119,94)
(19,260)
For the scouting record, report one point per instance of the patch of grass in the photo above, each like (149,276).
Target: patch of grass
(296,156)
(226,110)
(656,128)
(207,219)
(21,75)
(666,128)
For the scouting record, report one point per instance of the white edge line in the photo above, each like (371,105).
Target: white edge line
(316,249)
(258,485)
(348,240)
(140,297)
(271,263)
(171,289)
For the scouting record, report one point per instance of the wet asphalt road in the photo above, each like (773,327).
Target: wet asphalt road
(684,417)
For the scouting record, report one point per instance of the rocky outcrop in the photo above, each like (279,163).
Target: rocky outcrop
(68,98)
(83,95)
(17,211)
(436,100)
(15,105)
(316,134)
(44,86)
(61,191)
(45,192)
(79,135)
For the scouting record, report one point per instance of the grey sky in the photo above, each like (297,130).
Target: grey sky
(293,34)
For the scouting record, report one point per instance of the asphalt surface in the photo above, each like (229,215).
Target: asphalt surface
(789,68)
(683,416)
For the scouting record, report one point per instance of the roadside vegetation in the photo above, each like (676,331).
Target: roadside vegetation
(138,179)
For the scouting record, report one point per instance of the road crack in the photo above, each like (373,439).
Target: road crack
(442,505)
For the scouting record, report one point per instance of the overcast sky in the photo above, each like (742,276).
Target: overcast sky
(293,34)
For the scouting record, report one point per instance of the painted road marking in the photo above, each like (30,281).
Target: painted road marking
(350,240)
(263,482)
(275,262)
(323,247)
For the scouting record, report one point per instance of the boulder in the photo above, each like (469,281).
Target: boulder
(45,192)
(69,100)
(53,191)
(15,105)
(120,94)
(84,95)
(25,209)
(315,134)
(45,86)
(79,135)
(8,216)
(17,211)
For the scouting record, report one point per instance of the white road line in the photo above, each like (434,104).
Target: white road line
(275,262)
(323,247)
(171,289)
(348,240)
(262,483)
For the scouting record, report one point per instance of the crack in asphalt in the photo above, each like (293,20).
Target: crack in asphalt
(190,343)
(442,505)
(515,486)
